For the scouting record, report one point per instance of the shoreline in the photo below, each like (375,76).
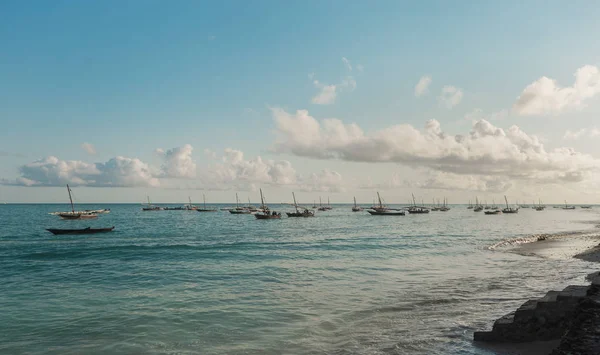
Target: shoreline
(566,314)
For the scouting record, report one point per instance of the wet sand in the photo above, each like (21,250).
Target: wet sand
(581,246)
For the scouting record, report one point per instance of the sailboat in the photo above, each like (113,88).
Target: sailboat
(190,206)
(470,206)
(509,209)
(151,207)
(382,210)
(238,209)
(414,209)
(73,214)
(356,208)
(305,213)
(445,207)
(539,207)
(321,207)
(567,207)
(204,208)
(265,212)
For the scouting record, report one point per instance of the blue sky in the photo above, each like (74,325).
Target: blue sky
(133,76)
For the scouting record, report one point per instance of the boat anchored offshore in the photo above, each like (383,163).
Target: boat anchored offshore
(265,212)
(305,213)
(509,209)
(204,208)
(238,209)
(414,209)
(87,230)
(383,210)
(151,207)
(76,214)
(356,208)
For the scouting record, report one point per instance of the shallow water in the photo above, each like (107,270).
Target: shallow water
(214,283)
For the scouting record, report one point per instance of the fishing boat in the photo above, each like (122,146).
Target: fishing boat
(238,209)
(265,212)
(567,207)
(190,206)
(150,207)
(470,207)
(305,213)
(356,208)
(587,207)
(75,214)
(204,208)
(414,209)
(445,207)
(321,207)
(87,230)
(478,207)
(382,210)
(539,207)
(491,212)
(509,209)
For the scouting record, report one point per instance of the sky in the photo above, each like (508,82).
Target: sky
(128,99)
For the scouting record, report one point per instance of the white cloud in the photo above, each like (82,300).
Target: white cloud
(584,132)
(117,172)
(89,148)
(360,67)
(546,96)
(327,94)
(178,162)
(486,150)
(347,63)
(234,171)
(450,96)
(422,86)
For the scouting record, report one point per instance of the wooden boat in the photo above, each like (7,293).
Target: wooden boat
(75,214)
(509,209)
(298,213)
(150,207)
(383,210)
(470,207)
(265,212)
(87,230)
(587,207)
(204,208)
(321,207)
(356,208)
(238,209)
(414,209)
(445,207)
(493,212)
(567,207)
(539,207)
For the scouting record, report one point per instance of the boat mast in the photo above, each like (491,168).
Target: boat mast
(295,203)
(190,199)
(147,197)
(70,199)
(237,202)
(414,201)
(379,198)
(355,201)
(262,200)
(505,199)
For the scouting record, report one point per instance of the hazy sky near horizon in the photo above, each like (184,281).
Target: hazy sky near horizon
(124,99)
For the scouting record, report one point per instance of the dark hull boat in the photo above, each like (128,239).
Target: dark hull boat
(386,213)
(300,214)
(87,230)
(240,211)
(266,213)
(267,216)
(493,212)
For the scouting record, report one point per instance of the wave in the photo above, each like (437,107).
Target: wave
(539,237)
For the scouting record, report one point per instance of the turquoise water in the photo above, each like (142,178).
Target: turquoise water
(181,282)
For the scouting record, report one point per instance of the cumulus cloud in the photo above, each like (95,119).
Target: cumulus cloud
(584,132)
(89,148)
(234,171)
(546,96)
(117,172)
(450,96)
(485,150)
(329,92)
(178,162)
(422,86)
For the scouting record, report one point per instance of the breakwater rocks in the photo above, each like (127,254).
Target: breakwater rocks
(572,315)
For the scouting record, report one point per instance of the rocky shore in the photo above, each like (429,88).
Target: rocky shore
(570,316)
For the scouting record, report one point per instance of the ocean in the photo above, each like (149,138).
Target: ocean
(184,282)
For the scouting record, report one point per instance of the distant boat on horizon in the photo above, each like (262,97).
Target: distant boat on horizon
(356,208)
(383,210)
(76,214)
(204,208)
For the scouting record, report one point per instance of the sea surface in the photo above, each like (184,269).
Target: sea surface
(183,282)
